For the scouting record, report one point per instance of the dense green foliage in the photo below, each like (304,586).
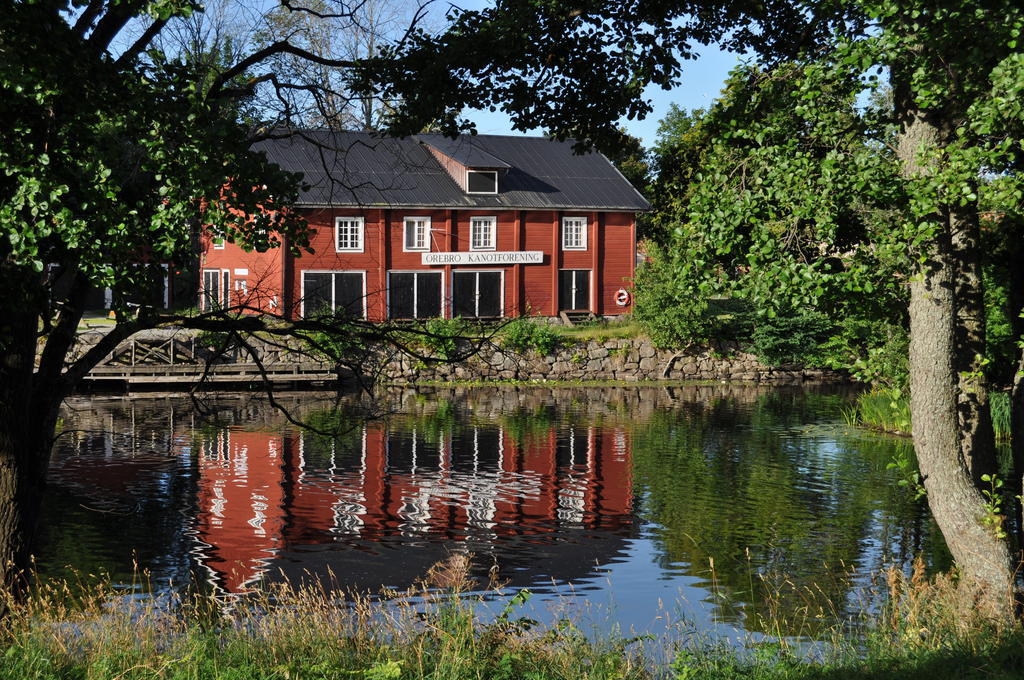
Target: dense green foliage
(791,337)
(665,303)
(134,157)
(523,335)
(796,210)
(759,206)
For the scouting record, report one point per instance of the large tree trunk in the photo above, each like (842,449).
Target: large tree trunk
(977,439)
(942,446)
(1017,439)
(955,501)
(25,437)
(1015,253)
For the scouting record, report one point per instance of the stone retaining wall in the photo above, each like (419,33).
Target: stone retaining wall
(618,360)
(633,360)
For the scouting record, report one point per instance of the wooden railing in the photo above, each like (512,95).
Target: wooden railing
(184,359)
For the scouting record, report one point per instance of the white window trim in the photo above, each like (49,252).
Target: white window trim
(491,172)
(586,227)
(223,277)
(362,234)
(445,301)
(218,242)
(302,287)
(494,234)
(405,234)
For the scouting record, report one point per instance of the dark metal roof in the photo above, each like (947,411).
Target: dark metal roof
(359,169)
(464,150)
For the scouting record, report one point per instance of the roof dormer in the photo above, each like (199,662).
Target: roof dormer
(473,169)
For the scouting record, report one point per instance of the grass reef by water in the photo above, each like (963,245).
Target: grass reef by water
(889,411)
(927,629)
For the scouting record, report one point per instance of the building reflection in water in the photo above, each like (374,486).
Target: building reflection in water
(262,494)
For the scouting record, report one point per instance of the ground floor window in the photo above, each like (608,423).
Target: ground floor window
(414,295)
(574,289)
(477,294)
(338,293)
(216,289)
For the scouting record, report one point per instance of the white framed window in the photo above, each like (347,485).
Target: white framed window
(417,234)
(218,243)
(216,290)
(334,292)
(481,182)
(348,234)
(574,233)
(481,233)
(416,294)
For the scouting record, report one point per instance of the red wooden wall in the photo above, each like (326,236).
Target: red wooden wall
(529,289)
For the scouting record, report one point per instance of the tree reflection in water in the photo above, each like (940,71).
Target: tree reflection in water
(548,487)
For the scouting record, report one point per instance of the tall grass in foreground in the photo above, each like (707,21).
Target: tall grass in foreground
(287,633)
(889,411)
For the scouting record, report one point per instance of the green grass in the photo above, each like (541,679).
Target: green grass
(601,331)
(889,411)
(883,410)
(999,402)
(929,629)
(96,320)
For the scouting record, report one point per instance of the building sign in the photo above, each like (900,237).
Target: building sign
(497,257)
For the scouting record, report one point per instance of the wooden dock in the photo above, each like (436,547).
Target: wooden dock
(175,359)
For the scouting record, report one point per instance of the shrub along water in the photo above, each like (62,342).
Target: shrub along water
(442,632)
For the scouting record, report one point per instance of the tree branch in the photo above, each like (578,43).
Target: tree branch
(63,333)
(348,14)
(87,17)
(107,344)
(111,24)
(279,47)
(142,43)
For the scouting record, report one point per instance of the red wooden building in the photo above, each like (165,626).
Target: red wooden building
(480,226)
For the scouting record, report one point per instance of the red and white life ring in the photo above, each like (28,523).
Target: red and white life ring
(622,297)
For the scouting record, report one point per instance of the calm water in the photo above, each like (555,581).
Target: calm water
(637,506)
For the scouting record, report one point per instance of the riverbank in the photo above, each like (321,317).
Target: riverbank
(520,352)
(441,631)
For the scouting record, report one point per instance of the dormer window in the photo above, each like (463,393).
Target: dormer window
(481,181)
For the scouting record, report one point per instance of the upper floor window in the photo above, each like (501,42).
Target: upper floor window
(417,233)
(481,181)
(218,243)
(574,233)
(481,233)
(348,234)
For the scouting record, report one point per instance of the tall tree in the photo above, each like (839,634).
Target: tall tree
(807,198)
